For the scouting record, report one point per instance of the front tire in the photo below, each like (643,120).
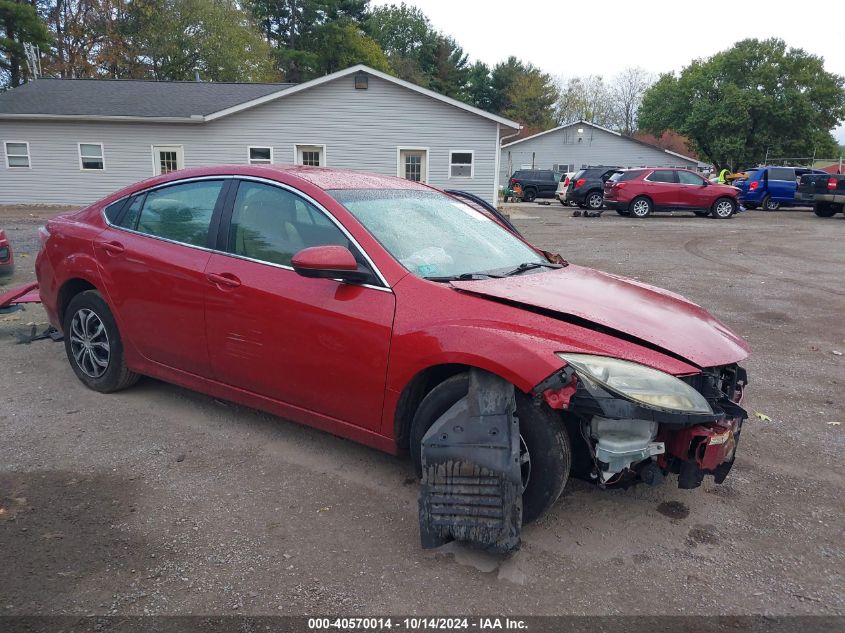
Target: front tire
(723,208)
(546,442)
(93,344)
(641,207)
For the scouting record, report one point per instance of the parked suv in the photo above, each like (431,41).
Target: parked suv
(771,187)
(638,192)
(586,187)
(563,185)
(535,183)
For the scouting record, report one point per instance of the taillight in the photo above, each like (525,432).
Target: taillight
(753,185)
(566,181)
(43,235)
(580,182)
(831,184)
(512,181)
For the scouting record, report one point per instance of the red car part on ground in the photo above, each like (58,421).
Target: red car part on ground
(377,354)
(7,258)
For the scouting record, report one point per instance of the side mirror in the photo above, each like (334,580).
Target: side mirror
(329,262)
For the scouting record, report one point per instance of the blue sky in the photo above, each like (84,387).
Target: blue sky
(566,39)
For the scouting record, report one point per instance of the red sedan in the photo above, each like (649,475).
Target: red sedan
(640,192)
(401,317)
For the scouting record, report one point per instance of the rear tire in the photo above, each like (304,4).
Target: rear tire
(640,207)
(594,200)
(723,208)
(770,205)
(93,344)
(826,209)
(528,195)
(542,430)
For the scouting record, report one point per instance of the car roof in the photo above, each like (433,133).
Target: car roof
(322,177)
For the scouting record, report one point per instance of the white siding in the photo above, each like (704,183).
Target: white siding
(596,147)
(361,130)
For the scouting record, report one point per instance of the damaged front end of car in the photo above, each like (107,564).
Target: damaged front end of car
(639,424)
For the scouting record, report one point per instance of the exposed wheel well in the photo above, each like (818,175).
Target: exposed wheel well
(69,290)
(413,393)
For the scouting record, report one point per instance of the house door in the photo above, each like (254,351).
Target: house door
(413,164)
(167,158)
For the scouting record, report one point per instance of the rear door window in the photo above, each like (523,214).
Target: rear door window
(181,213)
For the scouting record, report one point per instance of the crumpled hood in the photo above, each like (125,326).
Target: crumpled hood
(637,310)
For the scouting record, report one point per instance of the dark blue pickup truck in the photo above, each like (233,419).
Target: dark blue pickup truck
(826,192)
(770,187)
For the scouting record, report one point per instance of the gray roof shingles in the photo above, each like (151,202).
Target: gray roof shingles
(131,98)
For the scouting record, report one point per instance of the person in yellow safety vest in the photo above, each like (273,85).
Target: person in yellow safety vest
(723,176)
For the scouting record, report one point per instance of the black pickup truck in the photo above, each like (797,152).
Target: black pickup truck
(826,192)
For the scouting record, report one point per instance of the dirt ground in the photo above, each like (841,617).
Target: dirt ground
(158,500)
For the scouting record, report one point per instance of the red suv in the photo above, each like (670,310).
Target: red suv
(402,317)
(638,192)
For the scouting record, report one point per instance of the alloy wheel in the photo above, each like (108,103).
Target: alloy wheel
(89,343)
(595,201)
(524,463)
(724,209)
(640,208)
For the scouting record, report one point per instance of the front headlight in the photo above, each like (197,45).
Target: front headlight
(639,383)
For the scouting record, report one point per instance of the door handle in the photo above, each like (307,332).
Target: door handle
(112,248)
(223,279)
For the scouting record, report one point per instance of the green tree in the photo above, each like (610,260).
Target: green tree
(341,43)
(295,31)
(216,38)
(19,25)
(532,97)
(756,98)
(417,52)
(479,88)
(502,79)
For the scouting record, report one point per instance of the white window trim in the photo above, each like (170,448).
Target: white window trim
(471,152)
(324,162)
(102,156)
(400,173)
(249,154)
(153,157)
(6,152)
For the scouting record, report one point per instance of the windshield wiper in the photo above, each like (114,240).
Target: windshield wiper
(529,266)
(462,277)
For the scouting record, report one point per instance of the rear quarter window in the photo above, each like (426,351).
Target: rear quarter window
(622,176)
(781,173)
(113,211)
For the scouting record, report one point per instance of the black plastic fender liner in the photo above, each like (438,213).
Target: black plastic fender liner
(471,484)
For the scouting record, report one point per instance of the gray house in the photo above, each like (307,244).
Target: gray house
(72,141)
(580,144)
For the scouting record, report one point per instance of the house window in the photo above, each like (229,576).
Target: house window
(311,155)
(91,156)
(461,164)
(412,163)
(260,155)
(17,154)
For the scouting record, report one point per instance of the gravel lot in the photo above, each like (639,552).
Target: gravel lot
(159,500)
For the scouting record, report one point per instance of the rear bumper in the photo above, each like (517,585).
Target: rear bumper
(616,205)
(575,196)
(835,198)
